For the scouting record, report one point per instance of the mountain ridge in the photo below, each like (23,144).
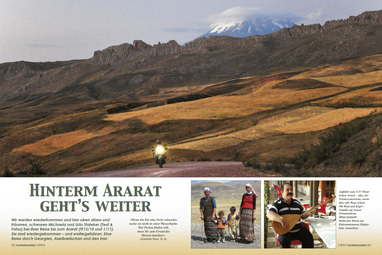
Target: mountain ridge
(369,17)
(132,70)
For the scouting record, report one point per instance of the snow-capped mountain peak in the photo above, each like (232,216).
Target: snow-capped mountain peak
(243,22)
(249,27)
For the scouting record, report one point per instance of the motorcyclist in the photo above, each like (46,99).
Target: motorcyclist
(159,143)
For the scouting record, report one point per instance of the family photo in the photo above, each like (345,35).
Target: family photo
(226,215)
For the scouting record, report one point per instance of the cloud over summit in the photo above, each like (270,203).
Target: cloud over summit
(239,14)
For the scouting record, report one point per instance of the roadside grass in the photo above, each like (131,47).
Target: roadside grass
(329,143)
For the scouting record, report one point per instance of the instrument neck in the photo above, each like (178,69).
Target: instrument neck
(315,207)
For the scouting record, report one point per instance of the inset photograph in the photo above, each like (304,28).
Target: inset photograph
(226,214)
(300,214)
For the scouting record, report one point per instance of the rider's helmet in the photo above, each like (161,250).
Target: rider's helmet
(158,141)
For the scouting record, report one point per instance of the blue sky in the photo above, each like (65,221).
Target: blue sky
(53,30)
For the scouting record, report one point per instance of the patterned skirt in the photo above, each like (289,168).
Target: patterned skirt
(210,228)
(246,225)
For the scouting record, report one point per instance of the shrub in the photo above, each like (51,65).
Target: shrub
(252,163)
(204,159)
(8,173)
(330,143)
(280,166)
(36,166)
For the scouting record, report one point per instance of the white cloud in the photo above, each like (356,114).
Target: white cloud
(315,17)
(239,14)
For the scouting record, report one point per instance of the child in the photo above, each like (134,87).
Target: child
(232,218)
(221,227)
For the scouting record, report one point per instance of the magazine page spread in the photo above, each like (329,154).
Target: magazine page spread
(146,215)
(174,127)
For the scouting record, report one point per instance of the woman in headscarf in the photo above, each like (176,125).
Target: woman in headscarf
(208,215)
(247,214)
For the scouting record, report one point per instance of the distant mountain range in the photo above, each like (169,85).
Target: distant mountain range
(232,189)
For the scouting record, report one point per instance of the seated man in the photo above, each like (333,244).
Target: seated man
(287,205)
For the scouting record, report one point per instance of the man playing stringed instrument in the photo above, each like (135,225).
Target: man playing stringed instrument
(287,205)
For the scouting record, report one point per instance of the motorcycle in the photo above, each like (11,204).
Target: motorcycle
(159,155)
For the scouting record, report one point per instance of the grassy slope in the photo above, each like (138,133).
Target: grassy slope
(248,124)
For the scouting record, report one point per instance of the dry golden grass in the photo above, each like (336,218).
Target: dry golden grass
(352,73)
(303,120)
(187,89)
(362,97)
(311,118)
(138,156)
(222,107)
(195,88)
(265,128)
(208,144)
(278,146)
(62,141)
(210,108)
(326,120)
(365,65)
(58,118)
(328,71)
(293,116)
(227,140)
(354,80)
(209,135)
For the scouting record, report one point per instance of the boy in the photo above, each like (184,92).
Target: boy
(232,218)
(221,227)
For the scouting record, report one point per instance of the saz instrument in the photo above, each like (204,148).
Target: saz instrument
(293,219)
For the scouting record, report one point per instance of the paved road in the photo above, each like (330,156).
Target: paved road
(179,169)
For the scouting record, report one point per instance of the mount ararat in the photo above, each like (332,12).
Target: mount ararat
(259,23)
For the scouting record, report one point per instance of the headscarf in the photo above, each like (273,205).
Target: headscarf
(253,190)
(206,188)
